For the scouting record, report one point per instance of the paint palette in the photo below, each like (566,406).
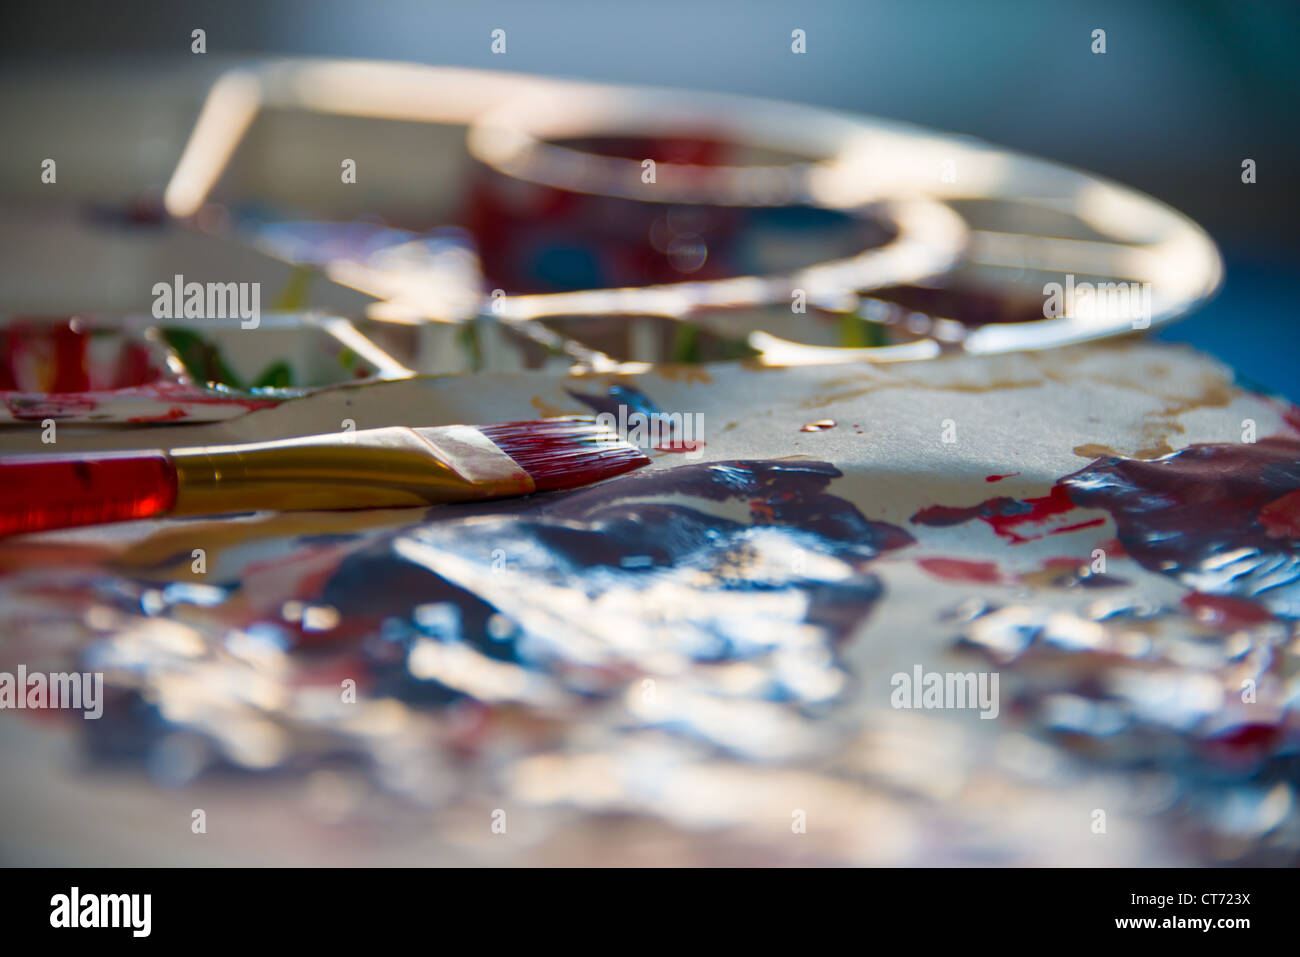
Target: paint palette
(662,667)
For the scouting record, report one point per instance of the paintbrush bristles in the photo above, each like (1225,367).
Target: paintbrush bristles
(565,453)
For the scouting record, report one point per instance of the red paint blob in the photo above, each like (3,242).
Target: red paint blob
(171,415)
(1281,517)
(1224,611)
(70,366)
(687,446)
(1092,523)
(961,570)
(1009,517)
(1113,547)
(1244,745)
(1291,416)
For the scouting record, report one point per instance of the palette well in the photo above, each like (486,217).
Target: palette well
(133,370)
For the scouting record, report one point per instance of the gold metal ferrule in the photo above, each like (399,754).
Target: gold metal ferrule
(372,468)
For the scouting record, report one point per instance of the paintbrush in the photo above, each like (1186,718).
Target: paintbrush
(371,468)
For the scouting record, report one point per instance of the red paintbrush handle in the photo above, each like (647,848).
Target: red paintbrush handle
(40,492)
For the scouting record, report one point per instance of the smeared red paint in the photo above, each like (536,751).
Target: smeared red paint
(332,672)
(1113,547)
(180,392)
(171,415)
(1225,611)
(50,356)
(34,408)
(1281,517)
(1092,523)
(999,478)
(1290,415)
(28,407)
(1177,516)
(70,374)
(690,445)
(962,570)
(1244,744)
(1013,519)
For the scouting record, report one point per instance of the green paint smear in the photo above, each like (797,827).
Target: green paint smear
(467,339)
(204,363)
(202,360)
(686,343)
(278,375)
(293,296)
(693,345)
(859,333)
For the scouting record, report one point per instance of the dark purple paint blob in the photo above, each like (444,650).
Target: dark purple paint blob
(1220,518)
(668,573)
(1136,683)
(698,535)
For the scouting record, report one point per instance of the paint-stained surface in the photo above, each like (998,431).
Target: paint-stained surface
(672,666)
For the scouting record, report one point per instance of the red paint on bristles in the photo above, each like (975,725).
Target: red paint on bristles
(566,452)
